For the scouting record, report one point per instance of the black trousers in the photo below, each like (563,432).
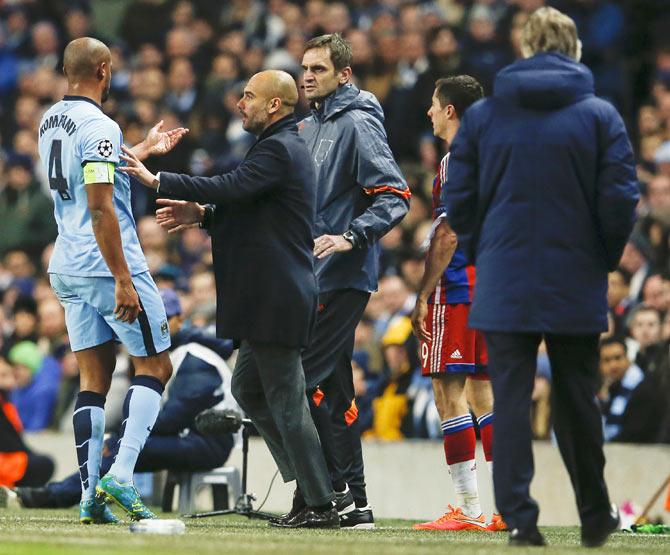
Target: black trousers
(38,472)
(269,385)
(577,422)
(327,364)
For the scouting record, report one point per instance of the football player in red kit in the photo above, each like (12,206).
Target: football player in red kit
(452,354)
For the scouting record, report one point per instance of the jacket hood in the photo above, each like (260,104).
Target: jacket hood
(222,347)
(546,81)
(350,97)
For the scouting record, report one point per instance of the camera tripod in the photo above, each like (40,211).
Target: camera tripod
(244,504)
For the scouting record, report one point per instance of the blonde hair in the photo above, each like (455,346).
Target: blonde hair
(548,30)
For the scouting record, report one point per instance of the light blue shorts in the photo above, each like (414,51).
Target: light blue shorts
(89,314)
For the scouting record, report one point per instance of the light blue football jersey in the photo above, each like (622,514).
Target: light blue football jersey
(72,132)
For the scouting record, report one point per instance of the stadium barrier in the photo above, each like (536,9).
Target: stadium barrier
(409,479)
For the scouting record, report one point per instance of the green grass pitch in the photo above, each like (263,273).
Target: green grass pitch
(57,532)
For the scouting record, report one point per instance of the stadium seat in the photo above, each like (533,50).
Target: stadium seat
(224,481)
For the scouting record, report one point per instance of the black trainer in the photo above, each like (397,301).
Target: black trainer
(596,536)
(360,518)
(522,538)
(344,501)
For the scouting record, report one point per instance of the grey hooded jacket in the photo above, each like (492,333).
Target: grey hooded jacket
(359,185)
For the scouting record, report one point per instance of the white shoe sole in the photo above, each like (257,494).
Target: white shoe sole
(362,526)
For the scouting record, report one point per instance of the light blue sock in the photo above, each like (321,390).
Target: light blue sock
(88,421)
(140,410)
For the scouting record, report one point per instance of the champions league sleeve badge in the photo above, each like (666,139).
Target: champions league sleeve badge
(105,148)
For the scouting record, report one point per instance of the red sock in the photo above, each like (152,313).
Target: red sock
(459,440)
(486,433)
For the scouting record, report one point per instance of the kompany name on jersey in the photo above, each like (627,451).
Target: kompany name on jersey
(55,121)
(80,146)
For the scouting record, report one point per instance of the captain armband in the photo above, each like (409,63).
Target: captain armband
(98,172)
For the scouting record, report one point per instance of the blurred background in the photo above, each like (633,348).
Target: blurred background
(186,62)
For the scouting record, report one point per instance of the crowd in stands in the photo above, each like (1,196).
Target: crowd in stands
(188,66)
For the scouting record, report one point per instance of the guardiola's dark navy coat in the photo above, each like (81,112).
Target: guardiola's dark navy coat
(542,193)
(261,238)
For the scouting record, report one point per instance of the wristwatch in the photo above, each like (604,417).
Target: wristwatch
(350,236)
(207,217)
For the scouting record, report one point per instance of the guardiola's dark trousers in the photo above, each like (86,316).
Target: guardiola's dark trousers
(327,363)
(269,385)
(576,419)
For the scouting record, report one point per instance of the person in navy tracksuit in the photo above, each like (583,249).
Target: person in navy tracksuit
(361,195)
(543,193)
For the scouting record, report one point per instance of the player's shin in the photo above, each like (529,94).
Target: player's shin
(485,422)
(89,427)
(459,448)
(140,410)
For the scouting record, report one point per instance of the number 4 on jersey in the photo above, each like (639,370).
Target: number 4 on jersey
(57,181)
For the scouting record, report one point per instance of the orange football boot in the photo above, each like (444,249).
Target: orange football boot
(454,520)
(497,524)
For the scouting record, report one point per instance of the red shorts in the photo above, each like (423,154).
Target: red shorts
(454,347)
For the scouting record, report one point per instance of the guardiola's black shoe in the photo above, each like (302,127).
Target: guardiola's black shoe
(311,517)
(360,518)
(522,538)
(596,535)
(344,501)
(298,505)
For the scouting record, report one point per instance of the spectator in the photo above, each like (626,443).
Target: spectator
(37,379)
(656,293)
(618,291)
(645,330)
(631,409)
(182,94)
(19,466)
(46,49)
(393,417)
(25,212)
(22,269)
(658,197)
(51,327)
(635,260)
(25,323)
(398,301)
(483,55)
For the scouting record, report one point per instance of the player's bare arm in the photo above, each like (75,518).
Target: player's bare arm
(158,142)
(108,236)
(442,247)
